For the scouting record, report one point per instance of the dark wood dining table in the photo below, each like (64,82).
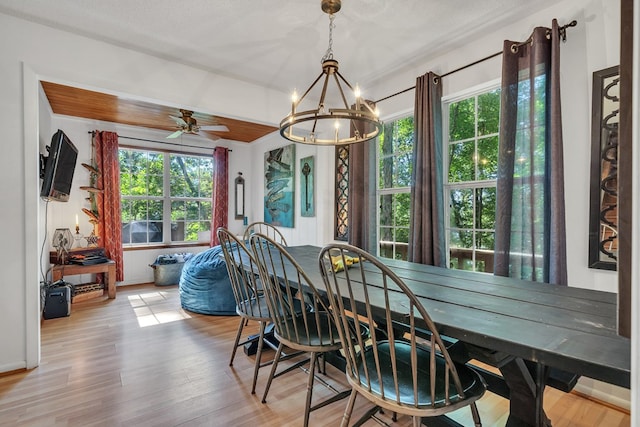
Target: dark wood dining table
(525,329)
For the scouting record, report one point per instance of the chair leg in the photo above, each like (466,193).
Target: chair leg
(276,359)
(476,415)
(417,421)
(235,344)
(256,368)
(349,409)
(312,372)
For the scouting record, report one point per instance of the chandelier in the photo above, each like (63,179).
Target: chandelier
(336,119)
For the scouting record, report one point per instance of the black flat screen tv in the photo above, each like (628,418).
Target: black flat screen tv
(57,173)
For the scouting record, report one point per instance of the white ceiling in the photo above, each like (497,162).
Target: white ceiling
(278,44)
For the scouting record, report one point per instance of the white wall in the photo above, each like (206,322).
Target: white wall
(307,230)
(592,45)
(36,52)
(63,215)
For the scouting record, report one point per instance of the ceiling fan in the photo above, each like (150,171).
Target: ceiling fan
(188,124)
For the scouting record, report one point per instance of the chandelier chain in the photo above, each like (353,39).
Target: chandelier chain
(329,53)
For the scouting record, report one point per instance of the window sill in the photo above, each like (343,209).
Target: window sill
(164,246)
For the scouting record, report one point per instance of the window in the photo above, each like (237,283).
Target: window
(395,166)
(165,197)
(472,126)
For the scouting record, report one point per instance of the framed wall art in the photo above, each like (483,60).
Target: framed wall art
(279,186)
(307,187)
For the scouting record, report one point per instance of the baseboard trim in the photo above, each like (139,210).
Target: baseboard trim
(11,369)
(604,399)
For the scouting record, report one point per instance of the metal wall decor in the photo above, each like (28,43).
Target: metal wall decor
(342,193)
(279,165)
(239,196)
(603,220)
(307,187)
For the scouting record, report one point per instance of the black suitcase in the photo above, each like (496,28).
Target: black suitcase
(57,302)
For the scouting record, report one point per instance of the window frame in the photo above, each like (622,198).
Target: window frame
(166,199)
(392,190)
(475,184)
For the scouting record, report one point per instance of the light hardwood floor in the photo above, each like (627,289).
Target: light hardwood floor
(140,360)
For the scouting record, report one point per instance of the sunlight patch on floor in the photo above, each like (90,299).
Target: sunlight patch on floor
(152,308)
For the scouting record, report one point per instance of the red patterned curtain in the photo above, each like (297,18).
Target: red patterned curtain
(220,191)
(108,202)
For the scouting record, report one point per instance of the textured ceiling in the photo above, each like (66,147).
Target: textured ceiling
(278,44)
(275,44)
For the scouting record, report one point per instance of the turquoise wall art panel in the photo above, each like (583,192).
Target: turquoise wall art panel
(279,186)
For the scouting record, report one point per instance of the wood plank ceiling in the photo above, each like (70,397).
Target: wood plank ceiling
(72,101)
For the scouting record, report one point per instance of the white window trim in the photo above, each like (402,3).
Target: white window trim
(165,198)
(386,191)
(446,101)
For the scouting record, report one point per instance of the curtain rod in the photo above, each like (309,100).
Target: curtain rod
(563,34)
(159,142)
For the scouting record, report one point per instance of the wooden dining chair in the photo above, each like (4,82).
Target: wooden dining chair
(264,228)
(404,367)
(251,304)
(312,331)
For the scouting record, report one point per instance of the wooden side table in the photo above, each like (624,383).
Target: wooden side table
(107,268)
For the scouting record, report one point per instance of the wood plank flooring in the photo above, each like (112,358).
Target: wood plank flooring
(140,360)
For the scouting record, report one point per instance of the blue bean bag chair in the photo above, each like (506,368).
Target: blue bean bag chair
(204,284)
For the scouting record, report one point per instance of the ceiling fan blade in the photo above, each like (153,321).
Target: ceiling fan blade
(175,134)
(215,128)
(179,120)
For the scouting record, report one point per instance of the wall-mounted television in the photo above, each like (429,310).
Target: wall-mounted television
(57,168)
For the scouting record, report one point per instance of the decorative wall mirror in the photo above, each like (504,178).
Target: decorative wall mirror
(239,192)
(603,216)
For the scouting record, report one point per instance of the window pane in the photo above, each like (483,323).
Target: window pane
(191,176)
(386,173)
(193,210)
(404,168)
(386,210)
(402,209)
(206,211)
(461,162)
(386,234)
(154,172)
(489,112)
(462,120)
(155,185)
(461,208)
(403,135)
(486,208)
(402,235)
(178,211)
(461,239)
(488,158)
(485,240)
(206,177)
(125,211)
(155,210)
